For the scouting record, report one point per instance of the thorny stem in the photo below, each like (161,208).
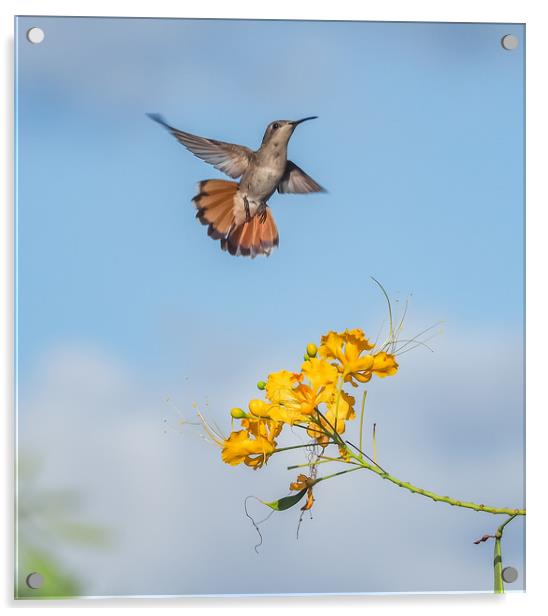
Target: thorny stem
(362,463)
(364,455)
(435,497)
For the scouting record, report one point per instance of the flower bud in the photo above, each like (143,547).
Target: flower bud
(258,408)
(306,357)
(311,349)
(261,385)
(237,413)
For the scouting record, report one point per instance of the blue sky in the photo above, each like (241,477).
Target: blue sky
(419,142)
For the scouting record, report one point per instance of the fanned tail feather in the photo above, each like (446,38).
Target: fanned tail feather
(217,203)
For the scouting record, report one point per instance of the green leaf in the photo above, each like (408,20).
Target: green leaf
(286,502)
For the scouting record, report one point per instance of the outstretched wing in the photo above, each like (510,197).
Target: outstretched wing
(295,180)
(229,158)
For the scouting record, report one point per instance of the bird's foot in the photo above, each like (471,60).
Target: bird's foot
(247,212)
(261,212)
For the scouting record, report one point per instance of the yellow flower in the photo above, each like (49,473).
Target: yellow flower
(292,400)
(340,408)
(345,347)
(239,447)
(262,428)
(319,372)
(288,399)
(304,482)
(313,398)
(347,350)
(279,385)
(300,484)
(288,412)
(384,364)
(344,453)
(259,408)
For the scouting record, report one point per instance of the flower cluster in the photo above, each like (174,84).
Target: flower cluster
(312,399)
(315,401)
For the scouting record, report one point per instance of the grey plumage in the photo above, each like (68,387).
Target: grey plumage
(230,216)
(239,160)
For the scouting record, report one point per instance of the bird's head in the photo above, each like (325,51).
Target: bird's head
(280,131)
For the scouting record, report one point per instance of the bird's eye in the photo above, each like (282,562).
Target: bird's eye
(275,126)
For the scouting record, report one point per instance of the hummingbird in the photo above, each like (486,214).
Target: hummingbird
(237,213)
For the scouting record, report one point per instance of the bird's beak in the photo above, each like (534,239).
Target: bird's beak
(297,122)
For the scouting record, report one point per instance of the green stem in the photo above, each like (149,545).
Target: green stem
(436,497)
(364,455)
(391,333)
(339,388)
(321,460)
(497,559)
(334,434)
(497,563)
(307,464)
(298,447)
(362,417)
(311,429)
(296,425)
(350,470)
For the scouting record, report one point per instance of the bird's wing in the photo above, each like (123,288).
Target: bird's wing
(295,180)
(229,158)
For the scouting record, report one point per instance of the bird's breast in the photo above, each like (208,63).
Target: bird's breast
(261,181)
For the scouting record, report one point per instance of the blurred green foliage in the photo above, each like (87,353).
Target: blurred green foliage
(57,582)
(47,519)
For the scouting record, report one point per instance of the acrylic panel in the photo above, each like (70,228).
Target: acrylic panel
(260,355)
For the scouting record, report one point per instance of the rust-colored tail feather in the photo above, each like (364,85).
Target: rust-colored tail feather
(256,237)
(215,205)
(216,202)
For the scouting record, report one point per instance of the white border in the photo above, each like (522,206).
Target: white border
(533,13)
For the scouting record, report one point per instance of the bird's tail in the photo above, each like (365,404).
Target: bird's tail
(217,203)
